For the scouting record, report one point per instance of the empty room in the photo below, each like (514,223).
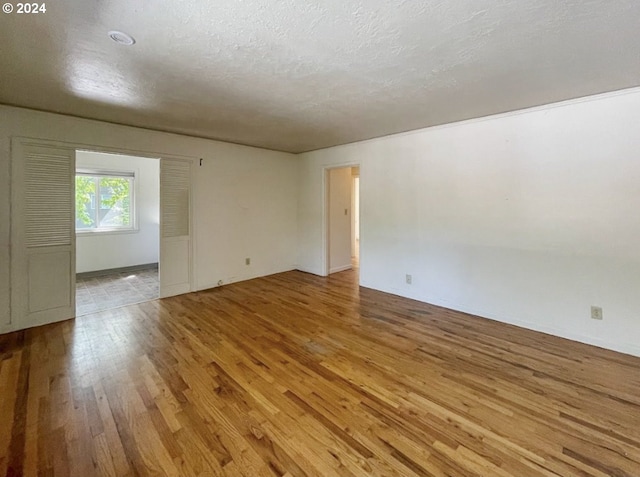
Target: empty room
(387,238)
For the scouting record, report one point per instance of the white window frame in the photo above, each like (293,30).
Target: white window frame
(97,173)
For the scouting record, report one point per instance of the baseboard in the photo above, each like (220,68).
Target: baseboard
(619,347)
(341,268)
(626,348)
(312,271)
(242,278)
(113,271)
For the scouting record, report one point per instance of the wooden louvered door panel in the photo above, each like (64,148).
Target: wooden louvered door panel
(43,234)
(175,227)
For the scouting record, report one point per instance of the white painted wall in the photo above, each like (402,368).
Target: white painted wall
(247,210)
(102,251)
(245,198)
(339,219)
(526,218)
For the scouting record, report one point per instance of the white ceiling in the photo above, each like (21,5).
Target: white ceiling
(298,75)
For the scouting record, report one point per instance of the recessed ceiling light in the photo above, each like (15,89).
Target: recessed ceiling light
(121,37)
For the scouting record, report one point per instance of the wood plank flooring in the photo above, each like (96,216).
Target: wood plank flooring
(297,375)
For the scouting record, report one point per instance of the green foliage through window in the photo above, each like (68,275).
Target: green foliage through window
(103,202)
(85,190)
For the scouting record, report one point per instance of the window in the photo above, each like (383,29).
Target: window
(104,201)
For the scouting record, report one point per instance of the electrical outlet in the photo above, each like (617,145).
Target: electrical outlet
(247,261)
(596,313)
(408,279)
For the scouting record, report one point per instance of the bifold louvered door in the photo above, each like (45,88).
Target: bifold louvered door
(42,234)
(175,227)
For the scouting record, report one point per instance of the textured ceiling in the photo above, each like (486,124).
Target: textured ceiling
(300,75)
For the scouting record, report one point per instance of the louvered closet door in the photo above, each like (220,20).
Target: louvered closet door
(43,234)
(175,227)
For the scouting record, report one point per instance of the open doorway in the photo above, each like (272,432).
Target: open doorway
(355,219)
(117,202)
(343,219)
(43,229)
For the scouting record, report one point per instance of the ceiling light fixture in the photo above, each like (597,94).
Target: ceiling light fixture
(121,37)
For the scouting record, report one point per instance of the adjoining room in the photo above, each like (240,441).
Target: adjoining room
(343,218)
(117,230)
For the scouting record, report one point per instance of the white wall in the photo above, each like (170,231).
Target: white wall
(102,251)
(245,198)
(247,210)
(525,218)
(339,221)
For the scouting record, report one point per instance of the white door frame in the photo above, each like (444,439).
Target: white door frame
(325,212)
(112,150)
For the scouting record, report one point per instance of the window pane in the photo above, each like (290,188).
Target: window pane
(85,202)
(103,202)
(115,202)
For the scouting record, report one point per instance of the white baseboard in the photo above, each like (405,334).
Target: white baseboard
(626,348)
(340,268)
(312,271)
(244,277)
(632,349)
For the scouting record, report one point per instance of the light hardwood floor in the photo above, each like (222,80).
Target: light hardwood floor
(296,375)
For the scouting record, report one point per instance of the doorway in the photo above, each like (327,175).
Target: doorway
(355,222)
(343,219)
(117,204)
(43,229)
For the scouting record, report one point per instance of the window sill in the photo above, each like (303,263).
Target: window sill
(93,232)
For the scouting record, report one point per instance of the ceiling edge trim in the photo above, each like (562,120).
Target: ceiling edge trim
(516,112)
(164,131)
(490,117)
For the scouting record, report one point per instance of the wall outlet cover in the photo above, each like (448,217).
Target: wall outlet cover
(596,312)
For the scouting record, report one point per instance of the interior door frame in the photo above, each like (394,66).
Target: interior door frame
(325,212)
(108,150)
